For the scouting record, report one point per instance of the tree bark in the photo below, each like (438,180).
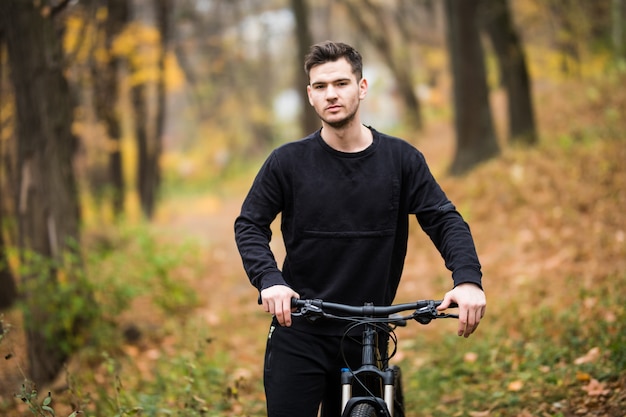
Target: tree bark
(513,71)
(309,120)
(150,141)
(106,94)
(144,177)
(617,28)
(8,295)
(117,18)
(476,139)
(48,210)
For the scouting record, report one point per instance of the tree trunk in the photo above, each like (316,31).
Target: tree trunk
(309,120)
(513,71)
(144,177)
(106,101)
(48,210)
(617,28)
(164,11)
(116,19)
(476,139)
(149,141)
(8,295)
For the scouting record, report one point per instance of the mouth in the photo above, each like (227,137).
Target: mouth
(333,107)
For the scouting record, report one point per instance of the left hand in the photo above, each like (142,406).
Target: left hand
(472,303)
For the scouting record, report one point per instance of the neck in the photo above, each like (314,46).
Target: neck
(351,138)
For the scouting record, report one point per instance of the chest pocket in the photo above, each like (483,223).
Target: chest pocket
(348,207)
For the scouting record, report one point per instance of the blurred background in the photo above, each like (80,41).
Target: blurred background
(130,131)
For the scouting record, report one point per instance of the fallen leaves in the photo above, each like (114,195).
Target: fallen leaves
(595,388)
(591,356)
(515,386)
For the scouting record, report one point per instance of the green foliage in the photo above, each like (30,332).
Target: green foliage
(131,262)
(187,379)
(134,263)
(119,268)
(529,361)
(72,306)
(29,396)
(58,299)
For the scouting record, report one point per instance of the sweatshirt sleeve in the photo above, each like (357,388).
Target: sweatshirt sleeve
(444,225)
(252,227)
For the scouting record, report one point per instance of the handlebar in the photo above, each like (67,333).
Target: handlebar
(423,310)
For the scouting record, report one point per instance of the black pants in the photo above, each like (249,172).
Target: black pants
(303,370)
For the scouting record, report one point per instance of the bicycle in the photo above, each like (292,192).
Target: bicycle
(381,382)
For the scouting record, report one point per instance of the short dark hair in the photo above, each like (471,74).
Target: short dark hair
(329,51)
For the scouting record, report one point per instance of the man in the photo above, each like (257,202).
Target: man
(345,194)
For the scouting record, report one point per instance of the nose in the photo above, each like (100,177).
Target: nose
(331,93)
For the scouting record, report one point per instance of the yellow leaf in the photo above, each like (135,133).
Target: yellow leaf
(583,376)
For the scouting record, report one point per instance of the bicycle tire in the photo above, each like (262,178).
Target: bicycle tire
(398,401)
(363,410)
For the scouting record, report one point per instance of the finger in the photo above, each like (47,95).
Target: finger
(479,317)
(462,322)
(287,311)
(296,296)
(280,315)
(445,303)
(474,321)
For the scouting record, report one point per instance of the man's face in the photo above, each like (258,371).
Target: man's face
(335,93)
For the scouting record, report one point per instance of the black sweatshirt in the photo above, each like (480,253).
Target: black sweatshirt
(345,221)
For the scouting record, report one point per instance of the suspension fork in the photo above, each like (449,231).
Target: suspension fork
(371,365)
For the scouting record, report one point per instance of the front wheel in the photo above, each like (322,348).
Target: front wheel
(363,410)
(398,401)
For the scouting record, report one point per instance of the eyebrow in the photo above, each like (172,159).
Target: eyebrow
(339,80)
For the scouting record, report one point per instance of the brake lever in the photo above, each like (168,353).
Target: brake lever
(429,312)
(309,310)
(446,315)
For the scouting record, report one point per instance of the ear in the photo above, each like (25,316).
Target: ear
(308,93)
(362,88)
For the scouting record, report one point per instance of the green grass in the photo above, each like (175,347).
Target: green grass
(522,362)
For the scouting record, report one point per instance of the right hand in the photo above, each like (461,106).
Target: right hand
(277,301)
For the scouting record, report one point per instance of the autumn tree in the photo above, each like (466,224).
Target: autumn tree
(8,295)
(227,52)
(48,212)
(376,22)
(105,75)
(514,77)
(149,125)
(475,134)
(618,17)
(309,120)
